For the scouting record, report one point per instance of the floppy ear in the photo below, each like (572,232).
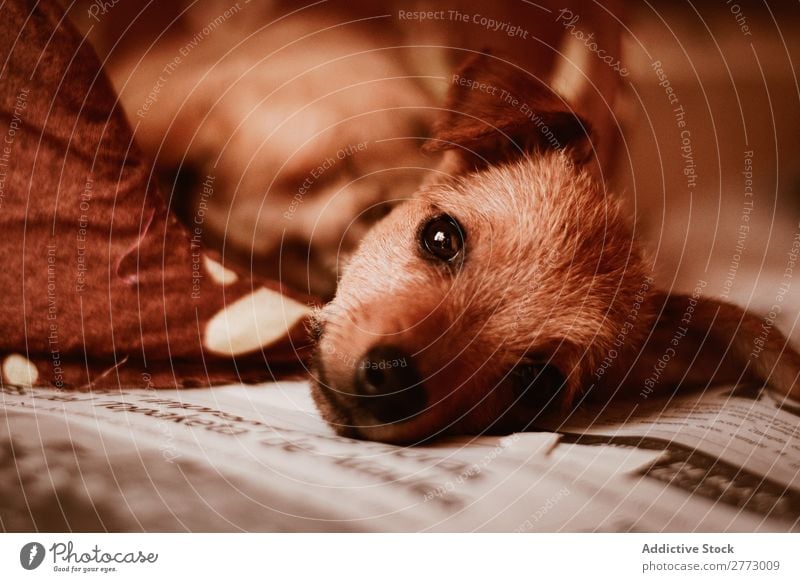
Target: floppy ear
(496,112)
(696,342)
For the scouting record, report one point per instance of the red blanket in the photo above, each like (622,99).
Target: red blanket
(101,285)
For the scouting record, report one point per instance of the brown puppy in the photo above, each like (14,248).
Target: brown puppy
(513,286)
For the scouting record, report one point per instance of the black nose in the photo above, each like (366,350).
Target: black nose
(388,385)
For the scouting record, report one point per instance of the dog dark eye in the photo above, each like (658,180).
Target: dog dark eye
(442,238)
(538,385)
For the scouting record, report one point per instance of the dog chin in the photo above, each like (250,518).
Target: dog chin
(332,412)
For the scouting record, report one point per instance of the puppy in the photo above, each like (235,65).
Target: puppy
(513,287)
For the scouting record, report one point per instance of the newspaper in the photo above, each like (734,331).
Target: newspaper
(261,458)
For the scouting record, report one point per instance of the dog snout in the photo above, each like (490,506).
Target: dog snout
(388,385)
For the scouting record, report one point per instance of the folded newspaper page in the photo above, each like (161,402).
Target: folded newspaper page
(259,458)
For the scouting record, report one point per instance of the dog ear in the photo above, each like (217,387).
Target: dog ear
(696,342)
(495,112)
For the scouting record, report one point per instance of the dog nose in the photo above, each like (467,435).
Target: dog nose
(388,384)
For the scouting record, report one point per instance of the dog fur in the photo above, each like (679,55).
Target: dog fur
(551,274)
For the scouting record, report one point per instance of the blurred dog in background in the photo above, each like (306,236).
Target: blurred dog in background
(284,132)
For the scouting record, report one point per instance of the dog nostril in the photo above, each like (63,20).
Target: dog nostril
(375,379)
(388,385)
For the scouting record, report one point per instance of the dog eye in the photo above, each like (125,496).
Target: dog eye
(537,385)
(442,238)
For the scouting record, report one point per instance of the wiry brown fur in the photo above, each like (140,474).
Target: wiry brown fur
(543,273)
(551,273)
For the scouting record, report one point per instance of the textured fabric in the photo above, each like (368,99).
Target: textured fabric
(101,284)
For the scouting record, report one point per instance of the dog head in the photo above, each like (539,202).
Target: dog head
(504,289)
